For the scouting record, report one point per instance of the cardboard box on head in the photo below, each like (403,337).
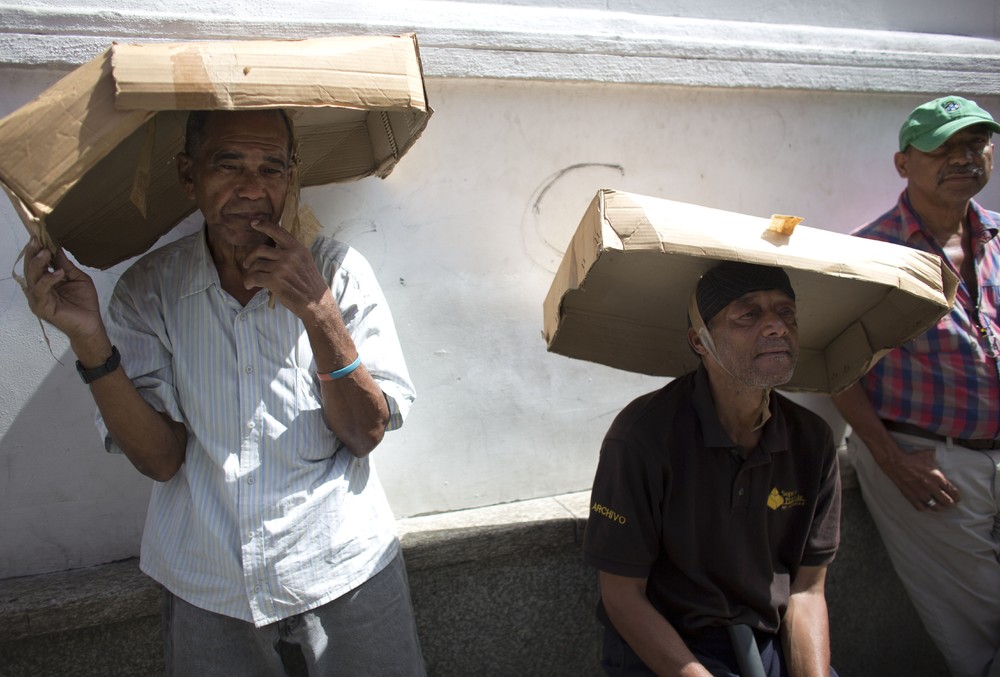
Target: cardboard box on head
(620,296)
(89,164)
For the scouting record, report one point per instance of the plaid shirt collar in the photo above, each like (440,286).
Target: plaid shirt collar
(984,228)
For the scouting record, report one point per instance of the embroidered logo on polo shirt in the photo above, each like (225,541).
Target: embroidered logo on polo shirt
(605,511)
(783,500)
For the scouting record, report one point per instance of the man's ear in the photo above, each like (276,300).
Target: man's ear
(185,169)
(694,340)
(900,159)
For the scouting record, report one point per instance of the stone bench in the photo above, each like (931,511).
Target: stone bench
(499,591)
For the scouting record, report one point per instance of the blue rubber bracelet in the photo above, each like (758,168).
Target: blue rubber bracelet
(340,373)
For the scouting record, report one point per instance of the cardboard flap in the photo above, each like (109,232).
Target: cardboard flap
(90,164)
(360,72)
(622,301)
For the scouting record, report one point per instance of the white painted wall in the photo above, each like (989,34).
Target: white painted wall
(465,236)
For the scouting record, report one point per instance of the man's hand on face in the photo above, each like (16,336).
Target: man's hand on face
(60,293)
(286,269)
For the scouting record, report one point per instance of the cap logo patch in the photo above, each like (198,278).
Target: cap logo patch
(951,106)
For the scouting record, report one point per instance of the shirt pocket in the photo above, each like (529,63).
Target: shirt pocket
(313,439)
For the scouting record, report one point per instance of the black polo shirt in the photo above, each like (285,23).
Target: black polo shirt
(719,538)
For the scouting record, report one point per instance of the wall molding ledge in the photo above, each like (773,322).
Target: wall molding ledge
(472,40)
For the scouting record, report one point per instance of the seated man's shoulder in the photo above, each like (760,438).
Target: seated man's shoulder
(654,408)
(798,416)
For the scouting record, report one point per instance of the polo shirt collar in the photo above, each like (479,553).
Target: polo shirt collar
(774,435)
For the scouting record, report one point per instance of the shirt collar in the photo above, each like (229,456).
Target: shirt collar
(984,228)
(200,272)
(774,434)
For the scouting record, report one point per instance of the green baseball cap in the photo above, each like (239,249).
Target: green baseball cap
(930,124)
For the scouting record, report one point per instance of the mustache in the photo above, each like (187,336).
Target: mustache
(964,170)
(769,345)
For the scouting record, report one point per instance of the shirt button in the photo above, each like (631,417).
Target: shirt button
(249,369)
(250,480)
(740,492)
(243,317)
(256,588)
(251,425)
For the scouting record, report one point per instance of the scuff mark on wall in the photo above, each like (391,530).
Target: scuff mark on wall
(545,242)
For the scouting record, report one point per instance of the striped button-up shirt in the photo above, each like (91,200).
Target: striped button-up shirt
(945,380)
(270,515)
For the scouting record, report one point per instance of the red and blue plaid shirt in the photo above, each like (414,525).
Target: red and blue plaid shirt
(946,380)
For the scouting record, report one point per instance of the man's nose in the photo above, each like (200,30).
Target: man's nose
(775,324)
(963,154)
(250,185)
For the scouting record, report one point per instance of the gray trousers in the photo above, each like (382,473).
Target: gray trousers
(948,560)
(368,631)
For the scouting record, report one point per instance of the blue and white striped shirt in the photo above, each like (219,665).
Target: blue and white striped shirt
(270,515)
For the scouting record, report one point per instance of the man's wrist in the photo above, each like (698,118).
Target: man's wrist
(91,374)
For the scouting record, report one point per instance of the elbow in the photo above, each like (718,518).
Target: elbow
(363,444)
(160,467)
(164,468)
(162,474)
(162,471)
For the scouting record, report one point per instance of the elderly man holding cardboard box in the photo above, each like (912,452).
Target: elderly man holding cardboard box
(266,523)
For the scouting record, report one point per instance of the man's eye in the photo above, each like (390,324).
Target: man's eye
(271,171)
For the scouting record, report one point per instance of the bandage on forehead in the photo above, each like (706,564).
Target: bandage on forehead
(730,280)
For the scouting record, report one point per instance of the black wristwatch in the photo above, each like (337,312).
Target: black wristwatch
(91,375)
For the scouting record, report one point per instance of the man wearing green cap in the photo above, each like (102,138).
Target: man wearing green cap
(716,503)
(926,419)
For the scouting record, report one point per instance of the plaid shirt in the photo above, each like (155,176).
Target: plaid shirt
(945,380)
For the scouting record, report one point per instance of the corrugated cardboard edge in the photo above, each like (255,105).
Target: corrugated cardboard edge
(360,72)
(857,351)
(583,251)
(415,126)
(38,193)
(75,92)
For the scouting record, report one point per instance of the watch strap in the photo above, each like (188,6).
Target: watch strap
(91,375)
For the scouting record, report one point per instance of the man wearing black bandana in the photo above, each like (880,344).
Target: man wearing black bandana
(716,504)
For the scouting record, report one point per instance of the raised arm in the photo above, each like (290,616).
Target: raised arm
(65,297)
(353,405)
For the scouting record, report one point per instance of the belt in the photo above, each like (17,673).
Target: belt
(910,429)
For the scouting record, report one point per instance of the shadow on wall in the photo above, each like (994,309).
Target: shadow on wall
(64,502)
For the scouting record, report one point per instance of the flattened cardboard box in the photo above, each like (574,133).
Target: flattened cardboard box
(89,165)
(621,293)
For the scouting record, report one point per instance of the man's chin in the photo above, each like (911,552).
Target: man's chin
(777,373)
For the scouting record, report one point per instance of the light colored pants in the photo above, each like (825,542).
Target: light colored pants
(948,560)
(368,631)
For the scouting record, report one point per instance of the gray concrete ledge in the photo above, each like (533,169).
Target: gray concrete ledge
(482,40)
(500,590)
